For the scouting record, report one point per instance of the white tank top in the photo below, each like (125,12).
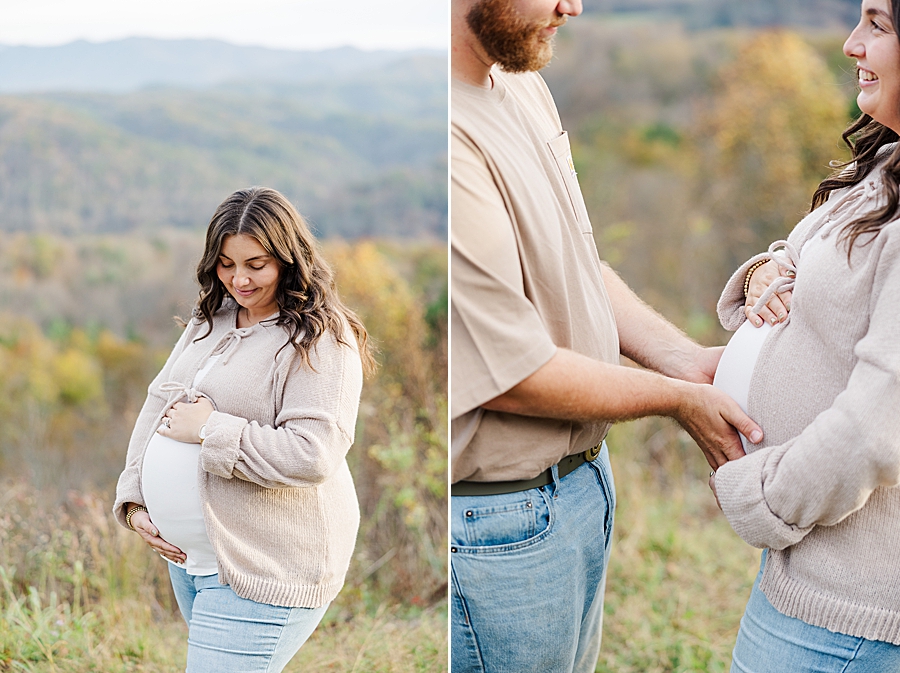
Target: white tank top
(738,361)
(169,484)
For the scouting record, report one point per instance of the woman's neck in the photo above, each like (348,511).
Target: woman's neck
(247,319)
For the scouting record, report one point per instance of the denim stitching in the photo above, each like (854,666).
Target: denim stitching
(465,609)
(859,645)
(287,616)
(600,471)
(514,546)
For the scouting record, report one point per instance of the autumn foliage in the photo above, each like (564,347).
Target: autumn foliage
(69,395)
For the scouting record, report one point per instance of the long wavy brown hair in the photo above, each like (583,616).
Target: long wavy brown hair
(865,137)
(308,301)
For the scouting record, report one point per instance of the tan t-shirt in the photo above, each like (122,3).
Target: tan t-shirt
(525,276)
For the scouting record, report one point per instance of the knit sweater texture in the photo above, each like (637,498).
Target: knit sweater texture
(277,496)
(821,490)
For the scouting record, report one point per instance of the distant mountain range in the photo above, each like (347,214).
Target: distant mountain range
(142,134)
(738,13)
(134,63)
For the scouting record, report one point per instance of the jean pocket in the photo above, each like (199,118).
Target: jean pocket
(508,522)
(603,470)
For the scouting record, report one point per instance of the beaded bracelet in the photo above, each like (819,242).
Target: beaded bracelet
(750,274)
(131,513)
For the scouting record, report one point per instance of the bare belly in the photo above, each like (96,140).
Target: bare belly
(169,484)
(738,362)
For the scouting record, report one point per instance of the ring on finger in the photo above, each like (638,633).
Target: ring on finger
(167,422)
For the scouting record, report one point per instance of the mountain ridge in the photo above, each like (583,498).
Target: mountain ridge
(361,153)
(134,63)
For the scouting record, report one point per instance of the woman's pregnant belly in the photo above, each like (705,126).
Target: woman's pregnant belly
(169,484)
(738,362)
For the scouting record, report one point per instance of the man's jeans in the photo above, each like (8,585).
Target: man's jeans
(772,642)
(528,571)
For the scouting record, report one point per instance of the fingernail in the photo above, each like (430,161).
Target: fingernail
(756,436)
(758,322)
(154,532)
(781,316)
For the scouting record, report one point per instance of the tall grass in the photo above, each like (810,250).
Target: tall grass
(678,578)
(80,593)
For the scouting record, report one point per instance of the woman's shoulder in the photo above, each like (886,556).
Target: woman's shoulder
(889,236)
(330,351)
(223,316)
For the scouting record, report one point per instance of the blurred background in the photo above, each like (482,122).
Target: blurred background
(700,129)
(121,130)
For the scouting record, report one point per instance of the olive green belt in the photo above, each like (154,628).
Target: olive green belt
(566,465)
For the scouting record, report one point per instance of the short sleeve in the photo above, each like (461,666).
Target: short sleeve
(498,338)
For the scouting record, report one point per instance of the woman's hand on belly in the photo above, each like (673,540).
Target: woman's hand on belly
(777,308)
(144,527)
(184,420)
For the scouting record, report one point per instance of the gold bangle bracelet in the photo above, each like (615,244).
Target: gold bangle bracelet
(750,274)
(131,513)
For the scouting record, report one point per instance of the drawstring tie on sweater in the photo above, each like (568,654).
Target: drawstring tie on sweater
(785,255)
(178,391)
(864,197)
(227,345)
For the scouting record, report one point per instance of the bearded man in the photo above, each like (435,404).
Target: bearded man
(537,324)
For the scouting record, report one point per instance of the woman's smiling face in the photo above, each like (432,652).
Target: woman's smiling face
(250,274)
(874,45)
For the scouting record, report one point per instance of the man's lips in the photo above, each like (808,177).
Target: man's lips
(551,27)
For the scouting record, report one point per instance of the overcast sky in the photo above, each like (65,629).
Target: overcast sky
(287,24)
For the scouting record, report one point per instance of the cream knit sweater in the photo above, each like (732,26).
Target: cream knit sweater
(821,492)
(277,495)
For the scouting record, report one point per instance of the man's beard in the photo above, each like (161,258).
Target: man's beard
(508,39)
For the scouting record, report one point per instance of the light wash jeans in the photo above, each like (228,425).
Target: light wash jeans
(528,571)
(230,634)
(772,642)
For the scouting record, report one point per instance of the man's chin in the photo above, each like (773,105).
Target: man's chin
(531,60)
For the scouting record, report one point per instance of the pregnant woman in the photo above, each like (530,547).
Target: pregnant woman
(236,470)
(821,494)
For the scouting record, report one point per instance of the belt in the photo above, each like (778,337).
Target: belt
(566,465)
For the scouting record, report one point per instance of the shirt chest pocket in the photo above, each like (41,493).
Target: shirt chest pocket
(562,157)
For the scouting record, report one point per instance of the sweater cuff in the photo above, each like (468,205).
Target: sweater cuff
(221,448)
(731,304)
(740,489)
(125,493)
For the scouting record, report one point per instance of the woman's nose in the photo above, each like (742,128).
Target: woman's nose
(853,47)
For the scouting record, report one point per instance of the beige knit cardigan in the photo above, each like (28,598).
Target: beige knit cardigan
(821,492)
(277,496)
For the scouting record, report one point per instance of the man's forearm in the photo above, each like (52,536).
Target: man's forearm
(575,387)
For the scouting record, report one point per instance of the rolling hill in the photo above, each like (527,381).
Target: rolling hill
(357,140)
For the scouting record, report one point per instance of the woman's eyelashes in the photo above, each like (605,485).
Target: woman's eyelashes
(228,265)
